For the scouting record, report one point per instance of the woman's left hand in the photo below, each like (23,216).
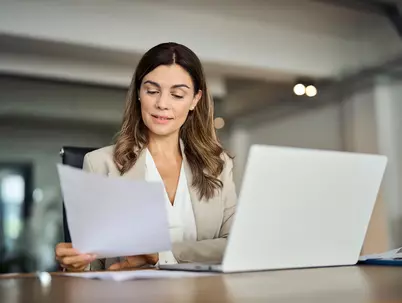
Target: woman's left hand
(132,262)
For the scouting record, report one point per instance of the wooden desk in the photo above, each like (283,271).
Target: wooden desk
(341,284)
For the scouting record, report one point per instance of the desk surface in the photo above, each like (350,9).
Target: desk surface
(340,284)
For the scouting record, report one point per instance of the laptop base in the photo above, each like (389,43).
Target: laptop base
(198,267)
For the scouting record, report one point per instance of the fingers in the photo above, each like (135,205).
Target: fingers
(71,259)
(129,263)
(75,267)
(121,265)
(118,266)
(64,245)
(152,258)
(78,260)
(66,252)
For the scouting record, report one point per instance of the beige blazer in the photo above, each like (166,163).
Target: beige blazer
(213,217)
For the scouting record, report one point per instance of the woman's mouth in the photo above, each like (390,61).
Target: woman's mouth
(161,119)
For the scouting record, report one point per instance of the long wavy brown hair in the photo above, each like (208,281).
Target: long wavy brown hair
(201,146)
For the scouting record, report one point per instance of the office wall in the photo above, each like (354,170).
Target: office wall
(38,117)
(60,101)
(40,144)
(318,128)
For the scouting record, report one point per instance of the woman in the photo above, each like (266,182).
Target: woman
(168,135)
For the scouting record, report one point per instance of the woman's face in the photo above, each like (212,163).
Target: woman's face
(167,96)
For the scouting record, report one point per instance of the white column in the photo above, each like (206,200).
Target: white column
(372,124)
(388,104)
(239,146)
(359,122)
(361,134)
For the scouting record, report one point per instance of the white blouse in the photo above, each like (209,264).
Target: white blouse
(180,215)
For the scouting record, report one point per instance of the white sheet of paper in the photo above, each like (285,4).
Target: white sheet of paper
(114,217)
(391,254)
(137,275)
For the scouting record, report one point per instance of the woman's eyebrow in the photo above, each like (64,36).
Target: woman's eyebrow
(152,83)
(173,86)
(180,86)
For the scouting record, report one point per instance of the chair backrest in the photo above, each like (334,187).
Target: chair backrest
(73,156)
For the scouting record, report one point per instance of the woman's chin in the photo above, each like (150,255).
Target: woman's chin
(162,131)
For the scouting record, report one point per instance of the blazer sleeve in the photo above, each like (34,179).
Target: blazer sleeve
(98,264)
(212,250)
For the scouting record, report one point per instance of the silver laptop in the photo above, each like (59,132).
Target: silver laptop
(300,208)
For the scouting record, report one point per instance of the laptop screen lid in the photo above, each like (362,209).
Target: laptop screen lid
(302,208)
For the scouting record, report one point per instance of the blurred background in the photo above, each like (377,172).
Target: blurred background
(304,73)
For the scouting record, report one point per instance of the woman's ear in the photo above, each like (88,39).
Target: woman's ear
(196,98)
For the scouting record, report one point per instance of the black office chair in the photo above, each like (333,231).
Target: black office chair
(73,156)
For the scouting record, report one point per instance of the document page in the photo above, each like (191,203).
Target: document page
(114,216)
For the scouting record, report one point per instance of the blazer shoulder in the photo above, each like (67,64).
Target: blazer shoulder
(104,152)
(227,166)
(228,160)
(99,160)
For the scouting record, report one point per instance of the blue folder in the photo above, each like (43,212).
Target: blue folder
(389,262)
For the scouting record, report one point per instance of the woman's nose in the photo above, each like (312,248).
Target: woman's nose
(163,101)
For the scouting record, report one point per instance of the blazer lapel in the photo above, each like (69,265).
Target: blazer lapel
(189,177)
(195,201)
(137,172)
(207,213)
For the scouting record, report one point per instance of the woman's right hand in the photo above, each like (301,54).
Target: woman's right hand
(70,259)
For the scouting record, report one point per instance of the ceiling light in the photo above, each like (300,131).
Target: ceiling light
(311,91)
(219,123)
(299,89)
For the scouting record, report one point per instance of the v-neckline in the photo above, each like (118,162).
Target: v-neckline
(178,185)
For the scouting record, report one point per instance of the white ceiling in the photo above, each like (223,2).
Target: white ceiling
(308,15)
(265,39)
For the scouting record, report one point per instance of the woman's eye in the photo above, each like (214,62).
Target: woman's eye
(177,96)
(152,92)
